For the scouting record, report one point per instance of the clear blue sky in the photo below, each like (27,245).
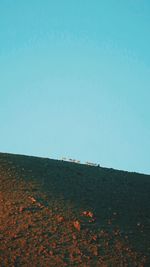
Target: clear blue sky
(75,80)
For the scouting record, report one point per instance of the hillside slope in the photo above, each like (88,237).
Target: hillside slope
(57,213)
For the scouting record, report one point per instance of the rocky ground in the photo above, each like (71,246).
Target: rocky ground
(56,213)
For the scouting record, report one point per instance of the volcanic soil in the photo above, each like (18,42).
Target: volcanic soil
(58,213)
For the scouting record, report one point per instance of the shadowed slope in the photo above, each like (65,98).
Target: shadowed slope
(62,213)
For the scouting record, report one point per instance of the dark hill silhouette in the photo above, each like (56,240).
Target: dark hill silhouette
(58,213)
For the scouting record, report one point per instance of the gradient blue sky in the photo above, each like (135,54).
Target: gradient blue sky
(75,80)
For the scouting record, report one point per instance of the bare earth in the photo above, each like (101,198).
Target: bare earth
(56,213)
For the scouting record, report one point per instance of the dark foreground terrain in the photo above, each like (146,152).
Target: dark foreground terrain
(56,213)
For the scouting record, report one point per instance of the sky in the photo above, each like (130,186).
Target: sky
(75,80)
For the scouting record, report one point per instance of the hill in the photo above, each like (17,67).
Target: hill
(58,213)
